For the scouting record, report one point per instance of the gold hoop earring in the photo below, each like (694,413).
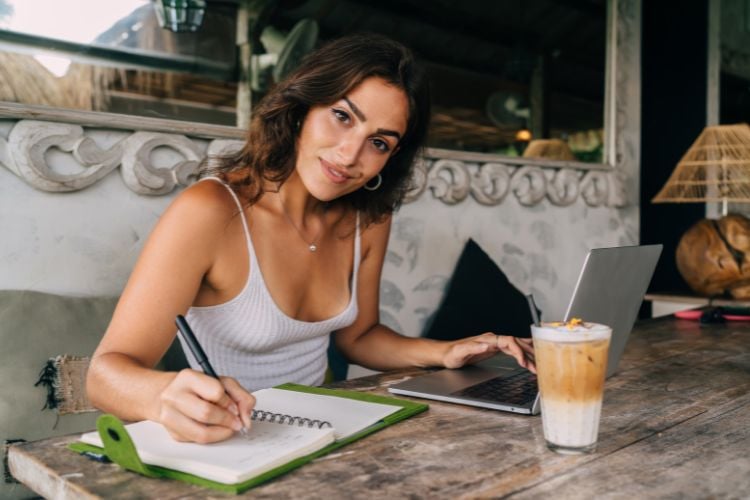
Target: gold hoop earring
(377,183)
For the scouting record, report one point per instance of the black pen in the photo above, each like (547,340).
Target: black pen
(200,356)
(189,337)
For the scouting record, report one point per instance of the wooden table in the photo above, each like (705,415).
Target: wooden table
(675,423)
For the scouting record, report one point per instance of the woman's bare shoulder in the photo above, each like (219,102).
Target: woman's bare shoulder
(193,228)
(204,202)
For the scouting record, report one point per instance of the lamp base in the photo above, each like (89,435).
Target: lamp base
(713,257)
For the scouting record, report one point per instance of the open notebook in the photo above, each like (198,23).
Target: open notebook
(289,427)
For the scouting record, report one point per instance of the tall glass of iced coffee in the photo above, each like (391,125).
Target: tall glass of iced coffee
(571,362)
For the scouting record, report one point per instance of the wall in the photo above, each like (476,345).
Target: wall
(80,243)
(539,243)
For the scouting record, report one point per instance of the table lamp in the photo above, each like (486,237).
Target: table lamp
(713,256)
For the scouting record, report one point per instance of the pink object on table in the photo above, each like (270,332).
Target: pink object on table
(692,314)
(736,317)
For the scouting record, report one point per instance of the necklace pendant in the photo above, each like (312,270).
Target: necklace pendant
(313,247)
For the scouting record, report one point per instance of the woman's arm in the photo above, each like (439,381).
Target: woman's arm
(368,343)
(175,263)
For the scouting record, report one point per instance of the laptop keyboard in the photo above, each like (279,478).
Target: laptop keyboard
(518,389)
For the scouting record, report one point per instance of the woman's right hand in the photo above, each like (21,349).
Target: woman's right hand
(198,408)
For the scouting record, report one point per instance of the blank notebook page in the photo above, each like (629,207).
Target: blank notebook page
(347,416)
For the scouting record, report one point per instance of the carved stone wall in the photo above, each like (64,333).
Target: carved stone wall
(25,154)
(451,180)
(491,182)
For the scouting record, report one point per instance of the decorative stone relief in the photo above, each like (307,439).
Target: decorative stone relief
(452,181)
(143,178)
(27,146)
(491,183)
(25,154)
(449,180)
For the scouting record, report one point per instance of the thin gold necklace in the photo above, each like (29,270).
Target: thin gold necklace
(311,245)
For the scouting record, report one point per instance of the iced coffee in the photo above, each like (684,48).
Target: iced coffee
(571,361)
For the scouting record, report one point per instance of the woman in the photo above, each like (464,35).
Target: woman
(277,248)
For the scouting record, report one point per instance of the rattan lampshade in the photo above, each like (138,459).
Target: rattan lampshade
(715,168)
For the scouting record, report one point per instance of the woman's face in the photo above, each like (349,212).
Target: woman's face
(344,145)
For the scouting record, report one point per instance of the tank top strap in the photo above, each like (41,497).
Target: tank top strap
(357,253)
(245,227)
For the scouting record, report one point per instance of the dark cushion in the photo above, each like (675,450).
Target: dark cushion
(479,299)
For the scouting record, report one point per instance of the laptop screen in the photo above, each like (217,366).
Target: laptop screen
(610,291)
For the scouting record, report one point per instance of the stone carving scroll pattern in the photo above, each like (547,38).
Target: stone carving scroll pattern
(452,181)
(449,180)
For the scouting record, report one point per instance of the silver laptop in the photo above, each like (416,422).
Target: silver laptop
(609,290)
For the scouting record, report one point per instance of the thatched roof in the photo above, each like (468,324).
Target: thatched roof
(24,80)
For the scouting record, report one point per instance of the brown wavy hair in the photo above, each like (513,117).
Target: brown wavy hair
(324,77)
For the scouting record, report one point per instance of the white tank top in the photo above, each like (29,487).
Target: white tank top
(251,339)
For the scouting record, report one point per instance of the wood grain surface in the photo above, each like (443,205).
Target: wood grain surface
(675,424)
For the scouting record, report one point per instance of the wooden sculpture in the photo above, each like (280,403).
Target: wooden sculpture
(713,257)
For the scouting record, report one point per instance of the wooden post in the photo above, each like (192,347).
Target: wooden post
(244,52)
(248,14)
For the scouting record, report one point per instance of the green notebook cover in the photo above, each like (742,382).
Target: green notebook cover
(119,448)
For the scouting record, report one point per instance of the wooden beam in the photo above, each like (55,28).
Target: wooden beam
(251,15)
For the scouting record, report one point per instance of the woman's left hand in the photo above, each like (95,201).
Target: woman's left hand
(473,349)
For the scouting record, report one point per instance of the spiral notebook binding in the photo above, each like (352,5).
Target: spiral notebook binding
(281,418)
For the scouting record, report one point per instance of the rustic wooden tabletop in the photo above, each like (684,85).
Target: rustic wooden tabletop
(675,423)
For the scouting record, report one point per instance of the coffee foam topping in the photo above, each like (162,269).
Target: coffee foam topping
(571,330)
(572,325)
